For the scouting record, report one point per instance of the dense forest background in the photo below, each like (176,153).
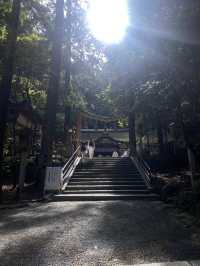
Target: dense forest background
(52,68)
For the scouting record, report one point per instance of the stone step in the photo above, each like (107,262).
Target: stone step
(108,164)
(104,197)
(107,186)
(106,161)
(104,168)
(127,191)
(105,182)
(109,169)
(107,174)
(103,164)
(95,159)
(120,179)
(106,179)
(109,158)
(103,171)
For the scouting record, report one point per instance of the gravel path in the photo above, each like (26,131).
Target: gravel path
(94,233)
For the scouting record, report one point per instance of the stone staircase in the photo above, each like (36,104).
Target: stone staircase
(106,179)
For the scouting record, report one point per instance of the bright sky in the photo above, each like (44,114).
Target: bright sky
(108,20)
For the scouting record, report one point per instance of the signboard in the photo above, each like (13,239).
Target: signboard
(53,179)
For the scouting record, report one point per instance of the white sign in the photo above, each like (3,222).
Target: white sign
(53,179)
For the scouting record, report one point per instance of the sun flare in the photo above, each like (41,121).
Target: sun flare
(108,20)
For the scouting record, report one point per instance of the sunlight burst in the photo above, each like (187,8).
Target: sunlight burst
(108,19)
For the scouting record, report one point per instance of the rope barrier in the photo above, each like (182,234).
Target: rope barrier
(100,118)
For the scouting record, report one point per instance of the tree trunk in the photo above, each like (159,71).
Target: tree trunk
(78,128)
(22,173)
(192,164)
(49,127)
(68,131)
(148,142)
(190,153)
(68,140)
(6,83)
(49,131)
(14,139)
(68,46)
(140,144)
(132,135)
(160,136)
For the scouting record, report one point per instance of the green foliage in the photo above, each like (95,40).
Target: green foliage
(74,99)
(154,71)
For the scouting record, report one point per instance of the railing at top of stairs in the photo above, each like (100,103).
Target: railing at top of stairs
(143,168)
(70,166)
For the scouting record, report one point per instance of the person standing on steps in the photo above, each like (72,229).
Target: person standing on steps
(115,154)
(91,148)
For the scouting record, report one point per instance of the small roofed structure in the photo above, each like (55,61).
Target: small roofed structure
(106,145)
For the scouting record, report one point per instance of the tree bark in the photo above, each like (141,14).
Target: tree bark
(68,134)
(190,153)
(6,83)
(67,78)
(192,164)
(160,136)
(49,131)
(148,142)
(132,135)
(22,173)
(68,45)
(78,128)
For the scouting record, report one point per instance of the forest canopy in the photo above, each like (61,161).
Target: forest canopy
(51,58)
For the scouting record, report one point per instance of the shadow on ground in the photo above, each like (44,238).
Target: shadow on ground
(102,233)
(145,232)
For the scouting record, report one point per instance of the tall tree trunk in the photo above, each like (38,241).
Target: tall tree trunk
(49,127)
(54,85)
(160,136)
(6,83)
(68,45)
(67,78)
(68,131)
(78,128)
(186,137)
(190,153)
(14,139)
(148,142)
(132,135)
(22,173)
